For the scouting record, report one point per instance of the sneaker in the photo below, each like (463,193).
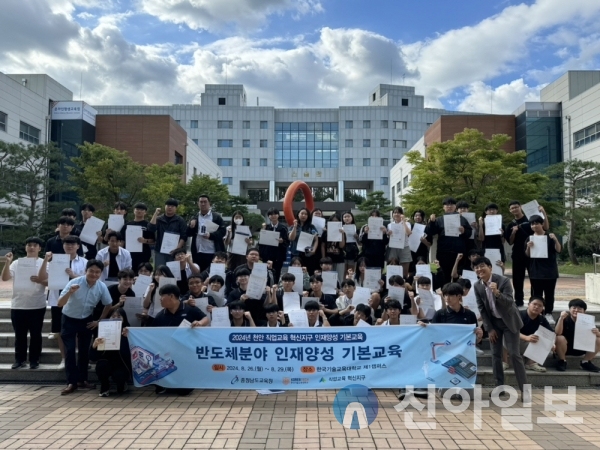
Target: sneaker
(121,389)
(535,367)
(421,393)
(589,366)
(505,366)
(61,366)
(401,394)
(51,336)
(18,365)
(104,394)
(550,319)
(34,365)
(160,390)
(561,366)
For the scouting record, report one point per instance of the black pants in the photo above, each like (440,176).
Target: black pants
(28,321)
(117,370)
(76,338)
(520,265)
(446,260)
(545,289)
(203,260)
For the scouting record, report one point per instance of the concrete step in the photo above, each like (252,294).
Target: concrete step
(46,374)
(550,363)
(571,377)
(6,325)
(49,355)
(8,340)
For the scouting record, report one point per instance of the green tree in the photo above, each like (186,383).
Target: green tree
(25,189)
(103,176)
(575,184)
(188,194)
(254,221)
(471,168)
(162,182)
(375,200)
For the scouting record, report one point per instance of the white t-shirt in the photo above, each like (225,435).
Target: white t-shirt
(77,266)
(29,299)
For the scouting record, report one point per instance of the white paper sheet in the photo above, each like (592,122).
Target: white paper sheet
(163,281)
(427,301)
(414,240)
(185,324)
(531,209)
(493,254)
(471,218)
(319,224)
(470,301)
(256,286)
(220,318)
(493,225)
(305,300)
(132,233)
(239,244)
(423,270)
(390,272)
(299,281)
(333,232)
(90,230)
(141,284)
(362,323)
(398,237)
(584,338)
(175,267)
(350,231)
(305,240)
(375,224)
(298,318)
(372,277)
(115,222)
(132,307)
(330,281)
(270,238)
(169,243)
(57,275)
(291,301)
(202,304)
(538,351)
(452,225)
(211,227)
(110,330)
(218,297)
(470,275)
(217,269)
(408,319)
(361,295)
(397,293)
(25,269)
(540,246)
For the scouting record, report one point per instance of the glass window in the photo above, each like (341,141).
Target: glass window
(264,125)
(246,143)
(224,142)
(222,101)
(366,142)
(395,161)
(399,125)
(195,171)
(193,124)
(29,133)
(225,124)
(405,181)
(246,162)
(228,180)
(366,124)
(178,158)
(225,162)
(384,162)
(384,181)
(306,144)
(384,143)
(349,124)
(264,143)
(3,117)
(246,125)
(195,141)
(384,124)
(399,144)
(398,187)
(367,162)
(349,162)
(177,121)
(349,143)
(404,102)
(263,162)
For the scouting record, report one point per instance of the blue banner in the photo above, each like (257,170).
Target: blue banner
(303,358)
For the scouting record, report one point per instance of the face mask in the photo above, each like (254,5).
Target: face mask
(238,221)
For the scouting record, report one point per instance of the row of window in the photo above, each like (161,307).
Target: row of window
(3,118)
(587,135)
(398,124)
(401,184)
(303,126)
(228,162)
(398,143)
(245,143)
(26,131)
(367,162)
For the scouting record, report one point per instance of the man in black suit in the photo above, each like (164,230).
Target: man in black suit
(501,319)
(204,243)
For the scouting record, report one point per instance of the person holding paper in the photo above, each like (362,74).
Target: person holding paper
(275,254)
(139,220)
(118,293)
(403,255)
(168,223)
(253,257)
(275,317)
(448,246)
(517,232)
(495,240)
(344,302)
(254,306)
(351,239)
(78,299)
(327,301)
(409,305)
(87,210)
(119,209)
(198,289)
(174,311)
(115,364)
(114,257)
(308,255)
(418,218)
(55,243)
(565,338)
(543,271)
(501,319)
(374,249)
(187,268)
(334,250)
(236,260)
(288,281)
(152,298)
(239,316)
(297,262)
(28,302)
(437,278)
(207,231)
(220,258)
(392,317)
(464,210)
(362,312)
(316,317)
(532,319)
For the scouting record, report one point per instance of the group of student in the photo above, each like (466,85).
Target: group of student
(101,277)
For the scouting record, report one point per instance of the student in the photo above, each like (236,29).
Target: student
(532,318)
(145,269)
(297,262)
(362,312)
(327,301)
(27,307)
(308,255)
(316,317)
(254,306)
(402,255)
(187,268)
(334,251)
(87,211)
(565,337)
(198,290)
(543,272)
(373,250)
(493,241)
(204,243)
(65,228)
(152,299)
(118,292)
(235,260)
(426,241)
(275,254)
(275,317)
(114,257)
(288,280)
(120,209)
(220,258)
(139,220)
(169,222)
(253,257)
(351,248)
(409,305)
(473,242)
(239,316)
(393,310)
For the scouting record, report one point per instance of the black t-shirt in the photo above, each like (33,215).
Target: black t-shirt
(461,317)
(332,249)
(254,306)
(569,330)
(113,267)
(544,268)
(520,237)
(327,300)
(146,253)
(279,295)
(115,294)
(166,319)
(530,325)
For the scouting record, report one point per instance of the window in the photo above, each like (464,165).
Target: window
(195,171)
(195,141)
(29,133)
(246,143)
(384,162)
(399,144)
(263,162)
(178,158)
(587,135)
(246,162)
(177,121)
(405,181)
(222,102)
(404,102)
(349,143)
(366,142)
(349,162)
(228,181)
(383,181)
(367,162)
(349,124)
(399,186)
(264,125)
(366,124)
(399,125)
(246,125)
(307,144)
(225,124)
(264,143)
(384,124)
(3,117)
(225,162)
(193,124)
(225,143)
(429,124)
(395,161)
(374,96)
(384,143)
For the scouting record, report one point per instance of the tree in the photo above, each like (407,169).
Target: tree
(188,194)
(162,183)
(576,186)
(103,176)
(25,189)
(375,200)
(473,169)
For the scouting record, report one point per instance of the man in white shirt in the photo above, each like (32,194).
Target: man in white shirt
(205,243)
(114,257)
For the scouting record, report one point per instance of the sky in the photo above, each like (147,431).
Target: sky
(471,55)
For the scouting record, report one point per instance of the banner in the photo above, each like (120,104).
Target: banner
(303,358)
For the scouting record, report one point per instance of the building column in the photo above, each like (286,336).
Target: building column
(272,191)
(340,191)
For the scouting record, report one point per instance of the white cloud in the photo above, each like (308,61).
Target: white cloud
(501,100)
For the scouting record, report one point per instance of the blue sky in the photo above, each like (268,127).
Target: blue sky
(302,53)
